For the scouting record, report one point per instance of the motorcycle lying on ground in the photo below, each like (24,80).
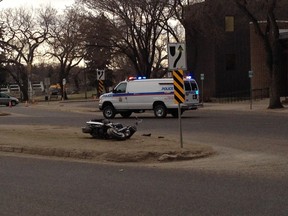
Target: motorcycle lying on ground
(104,129)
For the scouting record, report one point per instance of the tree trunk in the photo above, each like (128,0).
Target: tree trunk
(276,75)
(25,96)
(275,88)
(24,88)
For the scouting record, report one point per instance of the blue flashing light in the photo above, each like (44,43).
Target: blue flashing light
(136,78)
(197,92)
(139,78)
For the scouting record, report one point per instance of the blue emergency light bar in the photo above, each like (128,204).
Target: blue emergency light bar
(136,78)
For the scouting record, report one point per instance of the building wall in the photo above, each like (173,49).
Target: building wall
(261,78)
(201,60)
(210,49)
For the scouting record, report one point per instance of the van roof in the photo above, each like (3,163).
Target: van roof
(155,79)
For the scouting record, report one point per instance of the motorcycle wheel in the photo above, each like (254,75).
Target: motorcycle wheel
(115,134)
(132,130)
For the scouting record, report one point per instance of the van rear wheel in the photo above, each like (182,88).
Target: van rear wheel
(160,111)
(109,112)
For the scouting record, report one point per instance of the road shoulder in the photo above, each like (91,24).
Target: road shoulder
(66,142)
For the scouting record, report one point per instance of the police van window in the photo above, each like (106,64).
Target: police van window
(187,86)
(121,88)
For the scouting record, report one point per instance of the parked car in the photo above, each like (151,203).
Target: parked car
(7,100)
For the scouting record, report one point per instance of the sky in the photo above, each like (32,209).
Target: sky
(58,4)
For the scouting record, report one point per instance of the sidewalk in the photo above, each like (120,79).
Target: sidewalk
(256,106)
(73,106)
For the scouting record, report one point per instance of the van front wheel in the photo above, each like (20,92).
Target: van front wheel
(109,112)
(160,111)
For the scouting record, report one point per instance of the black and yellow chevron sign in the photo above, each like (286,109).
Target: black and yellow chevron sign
(179,94)
(100,86)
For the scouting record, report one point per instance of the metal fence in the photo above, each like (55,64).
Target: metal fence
(242,96)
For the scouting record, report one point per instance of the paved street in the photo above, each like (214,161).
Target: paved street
(247,175)
(247,138)
(52,187)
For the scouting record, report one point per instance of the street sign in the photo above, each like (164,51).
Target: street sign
(47,81)
(179,94)
(202,76)
(100,74)
(177,56)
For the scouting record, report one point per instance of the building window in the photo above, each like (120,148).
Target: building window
(229,23)
(230,62)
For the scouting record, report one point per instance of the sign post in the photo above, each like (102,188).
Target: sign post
(202,77)
(64,89)
(177,63)
(179,97)
(250,74)
(47,84)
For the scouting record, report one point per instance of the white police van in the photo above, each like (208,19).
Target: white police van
(138,94)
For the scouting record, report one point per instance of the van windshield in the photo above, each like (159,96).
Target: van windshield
(190,86)
(187,86)
(121,88)
(194,86)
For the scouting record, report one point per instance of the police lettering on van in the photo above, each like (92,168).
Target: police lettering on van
(138,95)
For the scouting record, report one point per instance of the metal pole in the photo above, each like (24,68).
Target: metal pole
(250,73)
(30,87)
(85,80)
(251,93)
(180,125)
(202,92)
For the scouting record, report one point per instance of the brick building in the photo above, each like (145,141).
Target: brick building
(261,78)
(223,45)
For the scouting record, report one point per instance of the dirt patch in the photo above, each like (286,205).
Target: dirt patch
(4,114)
(71,142)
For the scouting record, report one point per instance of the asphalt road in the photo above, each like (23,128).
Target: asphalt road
(46,187)
(226,184)
(248,131)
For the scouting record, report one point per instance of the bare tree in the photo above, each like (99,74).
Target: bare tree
(67,43)
(25,30)
(269,35)
(138,26)
(3,72)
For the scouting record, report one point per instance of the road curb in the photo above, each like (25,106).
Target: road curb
(109,157)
